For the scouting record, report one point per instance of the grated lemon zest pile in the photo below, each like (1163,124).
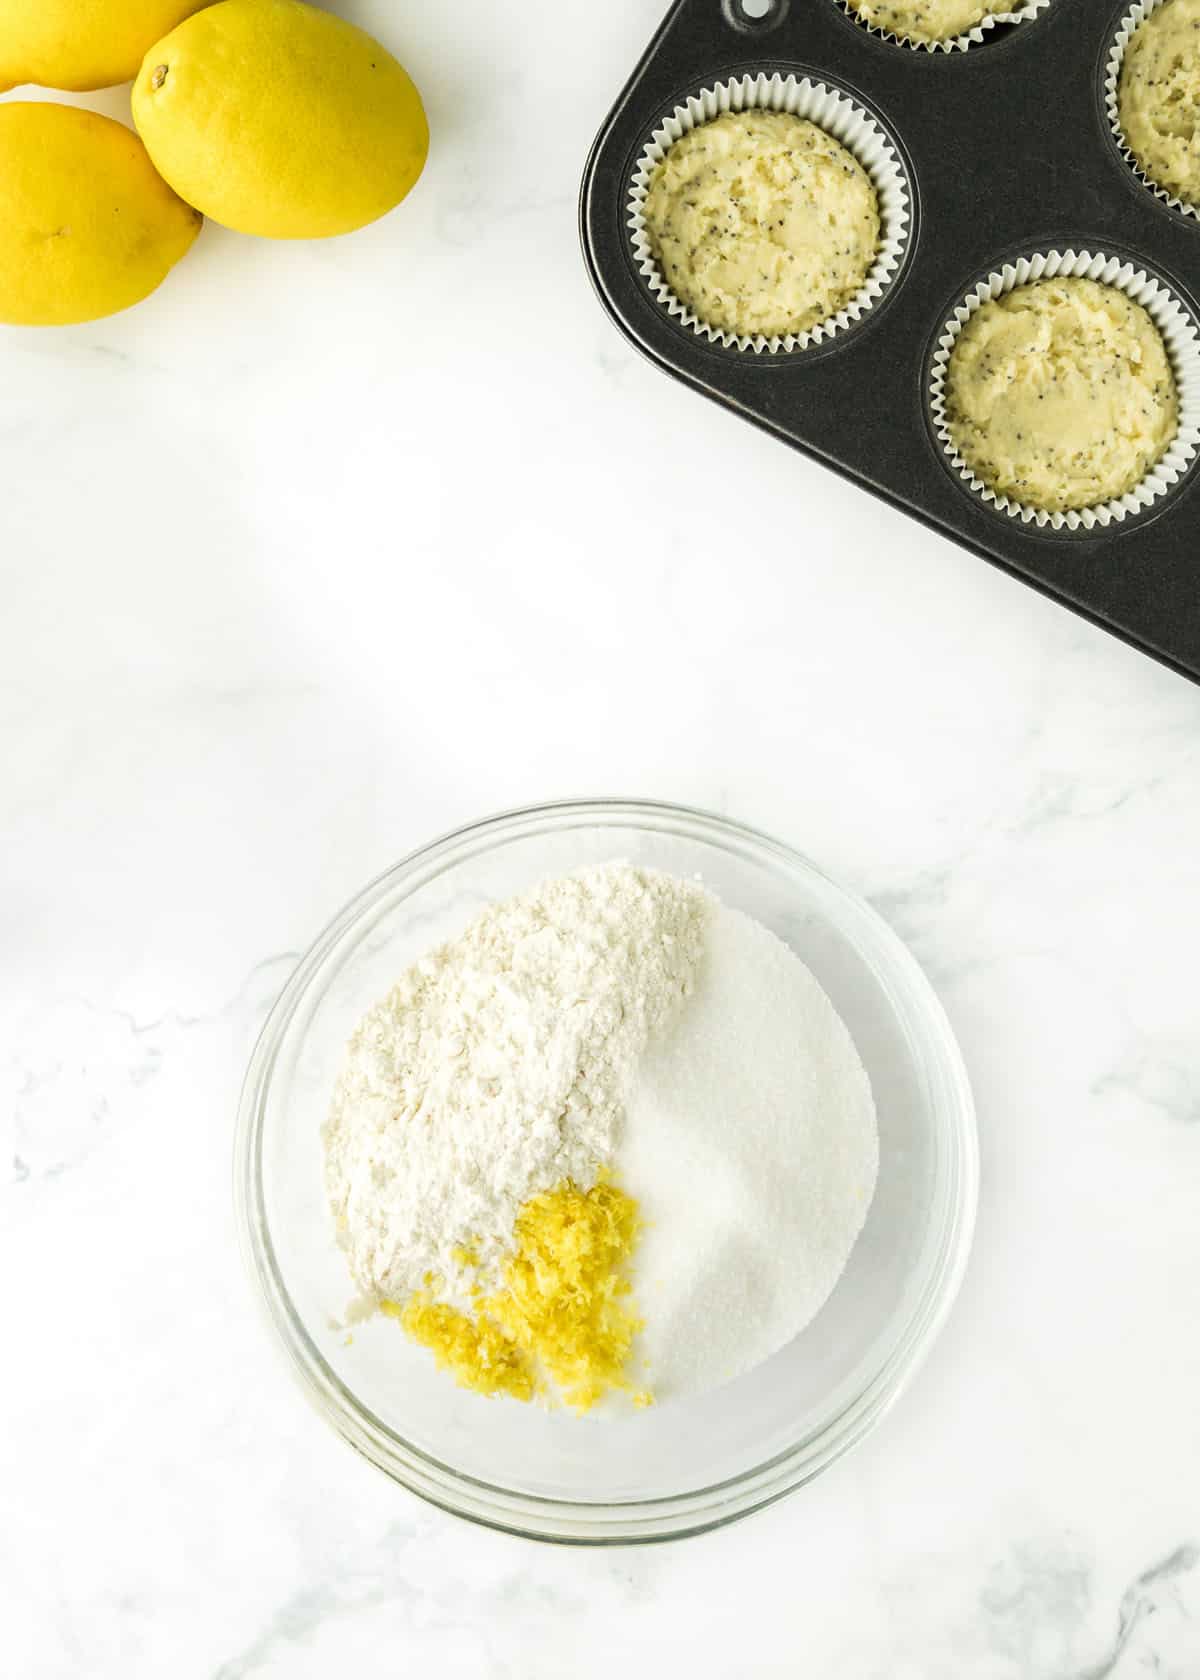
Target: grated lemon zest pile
(477,1352)
(563,1323)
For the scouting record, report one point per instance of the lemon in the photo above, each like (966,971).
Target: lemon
(86,225)
(80,44)
(278,119)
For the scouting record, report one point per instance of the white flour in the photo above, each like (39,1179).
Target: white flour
(497,1067)
(750,1145)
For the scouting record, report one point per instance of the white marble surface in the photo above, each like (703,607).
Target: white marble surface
(328,548)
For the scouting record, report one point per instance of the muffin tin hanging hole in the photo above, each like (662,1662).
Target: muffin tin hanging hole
(754,15)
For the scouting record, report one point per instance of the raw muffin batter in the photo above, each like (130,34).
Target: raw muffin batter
(930,20)
(1060,394)
(1159,99)
(762,223)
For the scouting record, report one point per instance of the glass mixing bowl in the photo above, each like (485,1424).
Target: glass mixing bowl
(683,1466)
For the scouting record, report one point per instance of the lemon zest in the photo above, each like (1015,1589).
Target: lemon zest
(562,1325)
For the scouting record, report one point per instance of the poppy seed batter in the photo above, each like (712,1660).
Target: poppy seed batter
(762,223)
(1060,394)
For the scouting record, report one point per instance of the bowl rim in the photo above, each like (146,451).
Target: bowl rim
(615,1522)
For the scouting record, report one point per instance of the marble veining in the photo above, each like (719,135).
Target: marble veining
(1157,1589)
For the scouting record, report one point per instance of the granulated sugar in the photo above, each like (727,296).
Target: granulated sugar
(750,1144)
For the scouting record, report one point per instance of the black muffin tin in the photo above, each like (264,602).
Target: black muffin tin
(1008,151)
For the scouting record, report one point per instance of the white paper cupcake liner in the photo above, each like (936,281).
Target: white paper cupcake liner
(953,43)
(827,108)
(1179,332)
(1135,16)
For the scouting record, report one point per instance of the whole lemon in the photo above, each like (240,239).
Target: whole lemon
(278,119)
(87,226)
(81,44)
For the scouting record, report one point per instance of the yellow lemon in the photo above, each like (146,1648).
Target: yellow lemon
(278,119)
(80,44)
(86,225)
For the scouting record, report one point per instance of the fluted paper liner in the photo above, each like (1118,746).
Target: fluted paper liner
(972,37)
(1135,16)
(838,115)
(1182,341)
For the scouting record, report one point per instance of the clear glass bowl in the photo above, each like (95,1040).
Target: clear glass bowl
(684,1466)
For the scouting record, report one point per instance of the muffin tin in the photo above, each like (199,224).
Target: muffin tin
(1009,152)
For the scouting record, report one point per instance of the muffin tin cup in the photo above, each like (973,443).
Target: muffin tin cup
(1179,332)
(973,37)
(826,107)
(1133,18)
